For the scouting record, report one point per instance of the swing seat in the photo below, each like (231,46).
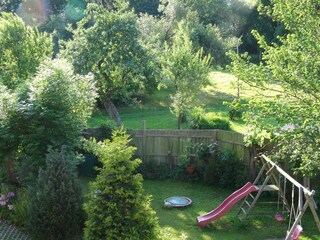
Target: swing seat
(279,218)
(297,232)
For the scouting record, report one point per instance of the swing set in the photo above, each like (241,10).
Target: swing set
(278,179)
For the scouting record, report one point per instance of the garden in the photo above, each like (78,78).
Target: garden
(131,71)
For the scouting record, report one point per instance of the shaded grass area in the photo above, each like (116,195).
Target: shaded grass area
(181,223)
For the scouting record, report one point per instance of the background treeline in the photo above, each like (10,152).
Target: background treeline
(216,25)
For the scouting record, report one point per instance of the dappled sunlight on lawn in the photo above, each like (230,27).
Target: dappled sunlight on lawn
(181,223)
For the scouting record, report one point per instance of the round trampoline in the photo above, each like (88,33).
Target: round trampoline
(177,202)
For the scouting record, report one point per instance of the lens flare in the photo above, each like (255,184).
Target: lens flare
(34,12)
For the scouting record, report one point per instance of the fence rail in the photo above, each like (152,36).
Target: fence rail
(165,146)
(159,144)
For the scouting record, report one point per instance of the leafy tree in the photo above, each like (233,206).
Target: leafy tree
(209,37)
(108,4)
(9,5)
(209,11)
(152,32)
(262,23)
(117,207)
(106,43)
(22,49)
(140,6)
(174,11)
(145,6)
(186,69)
(293,64)
(56,6)
(53,112)
(9,142)
(56,205)
(57,26)
(203,34)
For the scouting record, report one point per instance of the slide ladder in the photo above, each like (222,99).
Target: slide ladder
(250,201)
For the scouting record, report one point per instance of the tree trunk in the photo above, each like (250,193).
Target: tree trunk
(12,175)
(112,111)
(179,120)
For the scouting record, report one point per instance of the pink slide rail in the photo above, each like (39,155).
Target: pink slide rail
(226,205)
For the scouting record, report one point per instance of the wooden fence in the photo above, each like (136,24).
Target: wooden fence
(165,146)
(159,145)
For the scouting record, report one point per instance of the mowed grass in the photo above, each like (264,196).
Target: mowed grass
(155,108)
(181,223)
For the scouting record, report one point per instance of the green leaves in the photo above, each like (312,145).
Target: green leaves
(293,65)
(56,205)
(53,111)
(22,49)
(117,207)
(186,69)
(106,43)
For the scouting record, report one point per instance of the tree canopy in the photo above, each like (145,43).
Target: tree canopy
(186,69)
(117,207)
(53,111)
(22,49)
(106,43)
(293,64)
(9,5)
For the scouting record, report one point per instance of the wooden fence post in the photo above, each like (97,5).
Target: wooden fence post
(144,140)
(252,163)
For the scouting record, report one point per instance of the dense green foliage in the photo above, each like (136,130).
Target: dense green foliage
(57,6)
(293,64)
(221,168)
(198,119)
(20,213)
(186,69)
(22,49)
(211,165)
(53,111)
(9,5)
(106,44)
(117,207)
(211,122)
(56,204)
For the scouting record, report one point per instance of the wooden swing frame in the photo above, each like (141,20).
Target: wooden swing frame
(271,170)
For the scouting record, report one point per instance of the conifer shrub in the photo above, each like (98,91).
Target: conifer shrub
(56,203)
(117,207)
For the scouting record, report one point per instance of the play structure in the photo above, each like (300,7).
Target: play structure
(273,178)
(226,205)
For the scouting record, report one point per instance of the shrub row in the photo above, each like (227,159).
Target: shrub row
(201,120)
(213,166)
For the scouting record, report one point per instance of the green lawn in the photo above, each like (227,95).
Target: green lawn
(181,223)
(155,108)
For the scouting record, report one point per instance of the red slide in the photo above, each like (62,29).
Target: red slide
(226,205)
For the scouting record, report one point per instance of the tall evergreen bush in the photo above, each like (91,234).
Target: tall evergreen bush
(56,204)
(117,207)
